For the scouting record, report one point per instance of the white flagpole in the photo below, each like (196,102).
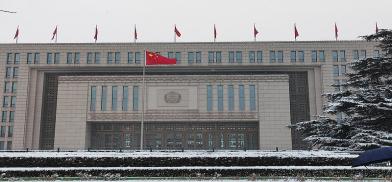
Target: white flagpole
(143,93)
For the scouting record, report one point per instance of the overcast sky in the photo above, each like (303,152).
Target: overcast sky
(155,19)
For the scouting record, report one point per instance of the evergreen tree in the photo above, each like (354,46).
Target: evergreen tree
(366,103)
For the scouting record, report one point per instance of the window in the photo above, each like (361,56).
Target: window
(13,89)
(363,54)
(29,58)
(1,145)
(231,56)
(343,69)
(301,56)
(114,98)
(238,56)
(272,57)
(89,58)
(7,87)
(252,97)
(355,54)
(117,57)
(251,56)
(49,58)
(191,57)
(12,116)
(198,57)
(9,145)
(220,98)
(3,116)
(2,132)
(69,58)
(169,54)
(13,101)
(93,98)
(342,55)
(178,57)
(5,101)
(376,54)
(218,57)
(230,94)
(36,58)
(335,70)
(211,57)
(103,97)
(77,58)
(15,72)
(259,56)
(17,58)
(110,58)
(9,58)
(56,58)
(8,72)
(293,56)
(280,56)
(336,85)
(125,98)
(209,98)
(241,95)
(321,56)
(137,58)
(97,57)
(335,56)
(135,98)
(10,131)
(130,57)
(314,56)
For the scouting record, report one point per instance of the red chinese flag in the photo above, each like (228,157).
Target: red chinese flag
(54,33)
(16,33)
(296,34)
(255,32)
(176,31)
(336,32)
(154,58)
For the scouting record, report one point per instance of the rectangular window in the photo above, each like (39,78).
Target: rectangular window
(36,58)
(125,98)
(321,56)
(114,98)
(252,56)
(314,56)
(13,101)
(17,58)
(241,95)
(93,98)
(15,72)
(293,56)
(231,56)
(69,58)
(238,56)
(89,58)
(220,98)
(13,88)
(343,69)
(336,85)
(230,94)
(137,58)
(104,94)
(9,145)
(77,58)
(57,58)
(301,56)
(135,98)
(97,57)
(376,54)
(49,58)
(10,131)
(342,55)
(29,58)
(272,57)
(191,57)
(178,57)
(280,56)
(198,57)
(7,87)
(211,57)
(218,57)
(3,116)
(12,116)
(355,54)
(5,101)
(169,54)
(363,54)
(110,58)
(1,145)
(130,57)
(209,98)
(252,97)
(8,72)
(117,58)
(335,70)
(335,56)
(2,132)
(259,56)
(9,58)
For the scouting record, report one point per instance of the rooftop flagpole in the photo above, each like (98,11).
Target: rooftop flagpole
(143,94)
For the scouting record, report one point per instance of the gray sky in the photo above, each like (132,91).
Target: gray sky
(155,19)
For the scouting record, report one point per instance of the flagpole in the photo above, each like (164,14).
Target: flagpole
(55,40)
(134,33)
(143,93)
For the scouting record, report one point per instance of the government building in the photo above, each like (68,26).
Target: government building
(219,95)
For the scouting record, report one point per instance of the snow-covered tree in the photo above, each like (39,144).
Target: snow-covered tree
(366,103)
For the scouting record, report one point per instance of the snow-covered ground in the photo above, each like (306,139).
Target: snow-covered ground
(185,154)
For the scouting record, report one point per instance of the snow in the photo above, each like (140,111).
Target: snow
(179,154)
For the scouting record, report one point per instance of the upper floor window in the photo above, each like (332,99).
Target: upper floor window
(355,54)
(231,56)
(16,58)
(293,56)
(241,94)
(178,57)
(211,57)
(104,93)
(301,56)
(220,97)
(36,58)
(335,70)
(97,57)
(198,57)
(314,56)
(342,55)
(252,56)
(138,58)
(9,58)
(321,56)
(191,57)
(13,58)
(8,72)
(363,54)
(110,58)
(49,58)
(252,97)
(117,57)
(15,72)
(335,56)
(130,57)
(135,98)
(209,97)
(218,57)
(114,98)
(89,58)
(125,98)
(230,94)
(69,58)
(280,56)
(259,56)
(56,58)
(272,57)
(238,56)
(29,58)
(93,98)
